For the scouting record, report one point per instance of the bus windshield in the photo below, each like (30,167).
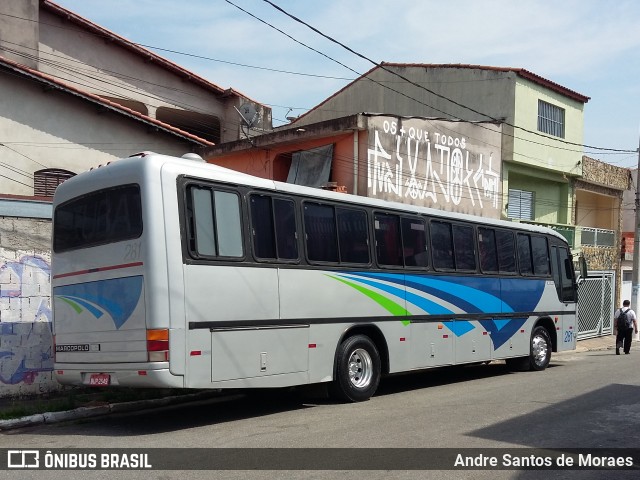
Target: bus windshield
(106,216)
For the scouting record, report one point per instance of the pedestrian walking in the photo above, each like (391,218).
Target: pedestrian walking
(624,325)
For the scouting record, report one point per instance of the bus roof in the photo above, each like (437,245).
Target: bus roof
(76,186)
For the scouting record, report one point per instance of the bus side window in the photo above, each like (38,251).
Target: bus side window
(273,228)
(215,223)
(563,274)
(320,232)
(524,254)
(388,239)
(414,242)
(487,250)
(262,229)
(556,271)
(353,235)
(506,251)
(286,233)
(567,276)
(464,247)
(228,224)
(441,245)
(540,255)
(203,236)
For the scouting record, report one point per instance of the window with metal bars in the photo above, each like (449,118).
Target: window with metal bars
(550,119)
(520,204)
(46,181)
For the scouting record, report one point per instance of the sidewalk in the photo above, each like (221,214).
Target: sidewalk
(597,343)
(98,408)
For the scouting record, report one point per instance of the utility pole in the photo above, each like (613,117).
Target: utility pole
(635,279)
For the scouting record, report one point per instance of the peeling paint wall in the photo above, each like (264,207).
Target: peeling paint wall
(26,344)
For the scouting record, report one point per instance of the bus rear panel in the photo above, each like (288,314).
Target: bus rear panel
(103,333)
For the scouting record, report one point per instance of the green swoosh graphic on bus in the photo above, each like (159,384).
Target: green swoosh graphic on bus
(72,304)
(389,305)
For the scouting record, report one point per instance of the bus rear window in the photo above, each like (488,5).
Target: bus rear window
(106,216)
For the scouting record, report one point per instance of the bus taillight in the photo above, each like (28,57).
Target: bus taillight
(158,345)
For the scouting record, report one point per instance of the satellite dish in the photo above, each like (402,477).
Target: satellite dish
(249,114)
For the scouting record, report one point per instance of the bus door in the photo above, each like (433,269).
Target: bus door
(564,280)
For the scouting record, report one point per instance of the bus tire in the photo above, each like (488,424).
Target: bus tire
(540,355)
(358,370)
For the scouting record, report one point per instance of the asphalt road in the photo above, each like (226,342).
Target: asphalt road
(583,400)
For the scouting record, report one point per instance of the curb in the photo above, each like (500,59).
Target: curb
(100,410)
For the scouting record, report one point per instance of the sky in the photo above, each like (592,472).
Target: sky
(589,46)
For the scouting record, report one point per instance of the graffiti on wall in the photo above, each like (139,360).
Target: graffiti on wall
(418,161)
(25,320)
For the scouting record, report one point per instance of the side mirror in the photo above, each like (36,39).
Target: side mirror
(582,274)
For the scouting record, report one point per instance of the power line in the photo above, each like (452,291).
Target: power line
(232,123)
(381,65)
(381,83)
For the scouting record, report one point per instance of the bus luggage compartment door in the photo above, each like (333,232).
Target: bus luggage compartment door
(258,351)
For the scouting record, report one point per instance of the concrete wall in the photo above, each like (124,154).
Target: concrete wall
(628,204)
(597,211)
(105,68)
(19,31)
(487,91)
(26,344)
(50,129)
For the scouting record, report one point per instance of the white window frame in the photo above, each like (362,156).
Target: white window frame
(550,119)
(520,204)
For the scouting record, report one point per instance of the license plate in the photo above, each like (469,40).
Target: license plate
(100,379)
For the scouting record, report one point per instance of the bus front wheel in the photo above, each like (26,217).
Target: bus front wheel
(540,348)
(358,369)
(539,352)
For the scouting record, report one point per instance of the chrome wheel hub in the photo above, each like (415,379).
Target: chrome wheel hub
(540,349)
(360,368)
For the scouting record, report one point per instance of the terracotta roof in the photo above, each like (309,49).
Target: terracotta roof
(148,55)
(57,84)
(519,71)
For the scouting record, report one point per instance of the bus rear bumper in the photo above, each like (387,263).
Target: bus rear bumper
(132,375)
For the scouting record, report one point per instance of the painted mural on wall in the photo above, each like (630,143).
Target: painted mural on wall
(454,166)
(26,344)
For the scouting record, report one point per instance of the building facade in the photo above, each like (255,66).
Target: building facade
(539,118)
(74,95)
(436,163)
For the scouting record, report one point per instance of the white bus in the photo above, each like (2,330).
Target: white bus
(170,272)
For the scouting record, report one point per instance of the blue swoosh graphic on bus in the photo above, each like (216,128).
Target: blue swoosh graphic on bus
(469,294)
(424,303)
(118,297)
(502,330)
(473,294)
(471,299)
(459,327)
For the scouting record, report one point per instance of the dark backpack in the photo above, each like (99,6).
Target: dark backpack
(624,320)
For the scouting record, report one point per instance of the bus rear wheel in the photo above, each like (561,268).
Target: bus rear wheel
(358,370)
